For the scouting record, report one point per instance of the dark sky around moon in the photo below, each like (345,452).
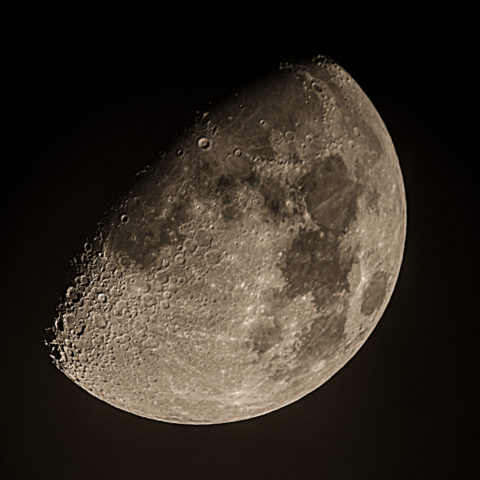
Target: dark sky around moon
(83,121)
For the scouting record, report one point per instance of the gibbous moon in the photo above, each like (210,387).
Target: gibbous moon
(249,264)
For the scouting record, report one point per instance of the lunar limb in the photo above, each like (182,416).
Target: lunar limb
(250,264)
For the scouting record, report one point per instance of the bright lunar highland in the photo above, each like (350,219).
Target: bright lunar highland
(249,264)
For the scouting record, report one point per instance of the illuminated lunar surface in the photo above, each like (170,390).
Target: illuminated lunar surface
(250,264)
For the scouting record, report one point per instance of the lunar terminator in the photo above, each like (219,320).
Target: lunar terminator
(249,264)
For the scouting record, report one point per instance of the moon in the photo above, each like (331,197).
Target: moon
(246,266)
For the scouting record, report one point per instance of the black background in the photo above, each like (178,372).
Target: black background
(83,120)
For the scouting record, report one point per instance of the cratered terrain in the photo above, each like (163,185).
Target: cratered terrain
(249,264)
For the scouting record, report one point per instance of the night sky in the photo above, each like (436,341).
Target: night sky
(82,121)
